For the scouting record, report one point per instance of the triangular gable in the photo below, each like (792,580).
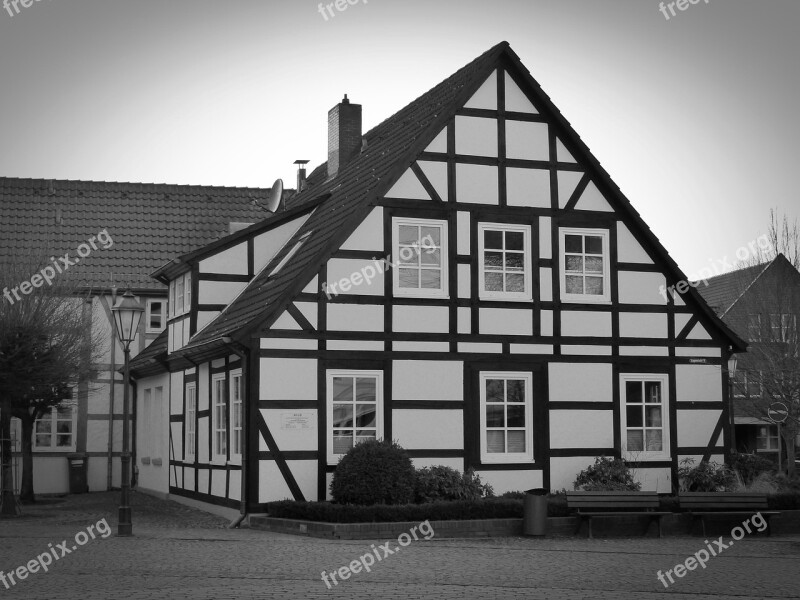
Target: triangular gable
(592,199)
(486,96)
(439,143)
(516,100)
(408,187)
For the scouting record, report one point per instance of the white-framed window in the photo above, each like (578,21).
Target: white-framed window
(585,265)
(506,419)
(180,295)
(419,255)
(190,420)
(155,317)
(219,416)
(767,438)
(505,261)
(355,409)
(644,416)
(236,419)
(55,430)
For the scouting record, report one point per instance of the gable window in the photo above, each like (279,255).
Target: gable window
(180,295)
(506,417)
(419,254)
(219,417)
(355,410)
(767,438)
(236,414)
(505,261)
(644,417)
(55,430)
(585,265)
(190,420)
(154,317)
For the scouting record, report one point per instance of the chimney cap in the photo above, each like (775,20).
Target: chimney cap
(301,162)
(345,100)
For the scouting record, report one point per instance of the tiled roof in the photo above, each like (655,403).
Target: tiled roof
(722,291)
(149,223)
(147,360)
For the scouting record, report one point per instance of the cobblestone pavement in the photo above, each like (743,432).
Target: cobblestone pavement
(178,552)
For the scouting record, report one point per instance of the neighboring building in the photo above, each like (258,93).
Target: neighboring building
(145,225)
(761,303)
(522,330)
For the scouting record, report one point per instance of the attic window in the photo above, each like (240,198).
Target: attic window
(290,254)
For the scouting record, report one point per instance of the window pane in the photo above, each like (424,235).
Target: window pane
(515,283)
(516,415)
(365,389)
(594,264)
(342,415)
(653,416)
(594,244)
(64,427)
(516,441)
(575,263)
(432,257)
(633,416)
(495,390)
(654,443)
(594,285)
(652,391)
(408,278)
(342,389)
(633,392)
(515,261)
(42,441)
(574,284)
(493,260)
(516,390)
(408,256)
(573,243)
(366,415)
(364,435)
(493,282)
(635,441)
(44,424)
(431,235)
(408,234)
(431,279)
(515,240)
(342,442)
(63,440)
(495,442)
(493,239)
(495,415)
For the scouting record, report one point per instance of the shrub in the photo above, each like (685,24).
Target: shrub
(445,483)
(374,472)
(750,466)
(607,474)
(705,477)
(515,495)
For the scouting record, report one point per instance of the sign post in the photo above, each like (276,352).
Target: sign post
(777,413)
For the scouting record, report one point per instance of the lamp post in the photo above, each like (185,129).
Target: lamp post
(731,375)
(127,313)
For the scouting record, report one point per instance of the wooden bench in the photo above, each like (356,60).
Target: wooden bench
(609,504)
(702,504)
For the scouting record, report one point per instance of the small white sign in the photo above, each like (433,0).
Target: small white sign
(297,419)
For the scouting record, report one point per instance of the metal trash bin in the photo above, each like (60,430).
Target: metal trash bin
(78,479)
(534,515)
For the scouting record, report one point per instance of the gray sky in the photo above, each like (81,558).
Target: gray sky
(694,117)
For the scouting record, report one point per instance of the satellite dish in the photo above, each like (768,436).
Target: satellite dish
(275,195)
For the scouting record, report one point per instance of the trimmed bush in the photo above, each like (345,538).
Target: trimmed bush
(750,466)
(705,477)
(374,472)
(445,483)
(607,475)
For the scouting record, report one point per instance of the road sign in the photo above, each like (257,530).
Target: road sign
(777,412)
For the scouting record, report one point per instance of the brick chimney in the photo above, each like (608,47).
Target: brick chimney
(344,135)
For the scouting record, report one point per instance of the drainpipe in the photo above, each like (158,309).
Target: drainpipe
(135,469)
(242,352)
(112,395)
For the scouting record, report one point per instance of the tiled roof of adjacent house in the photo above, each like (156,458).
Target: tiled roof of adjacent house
(149,224)
(722,291)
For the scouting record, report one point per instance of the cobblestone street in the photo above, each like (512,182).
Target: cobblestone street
(179,552)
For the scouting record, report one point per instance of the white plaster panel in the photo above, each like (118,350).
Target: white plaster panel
(464,281)
(202,481)
(641,288)
(291,439)
(581,428)
(408,187)
(585,323)
(528,187)
(479,348)
(545,284)
(580,382)
(427,380)
(516,100)
(421,346)
(355,317)
(305,474)
(436,172)
(592,199)
(288,344)
(586,350)
(204,317)
(527,140)
(696,426)
(235,485)
(562,154)
(564,470)
(454,463)
(643,351)
(545,238)
(218,292)
(369,234)
(628,248)
(288,379)
(428,429)
(654,479)
(311,287)
(476,136)
(567,182)
(271,484)
(463,233)
(700,352)
(286,321)
(426,319)
(464,319)
(476,184)
(531,348)
(646,325)
(681,319)
(267,244)
(512,481)
(355,276)
(355,345)
(698,332)
(505,321)
(546,322)
(698,383)
(486,96)
(439,143)
(309,310)
(230,261)
(50,475)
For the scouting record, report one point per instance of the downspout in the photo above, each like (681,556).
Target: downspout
(112,397)
(242,352)
(135,467)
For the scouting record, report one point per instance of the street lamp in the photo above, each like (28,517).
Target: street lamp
(127,313)
(731,375)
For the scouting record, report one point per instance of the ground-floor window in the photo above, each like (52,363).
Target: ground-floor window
(767,438)
(219,416)
(55,430)
(236,414)
(644,417)
(191,420)
(506,417)
(355,409)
